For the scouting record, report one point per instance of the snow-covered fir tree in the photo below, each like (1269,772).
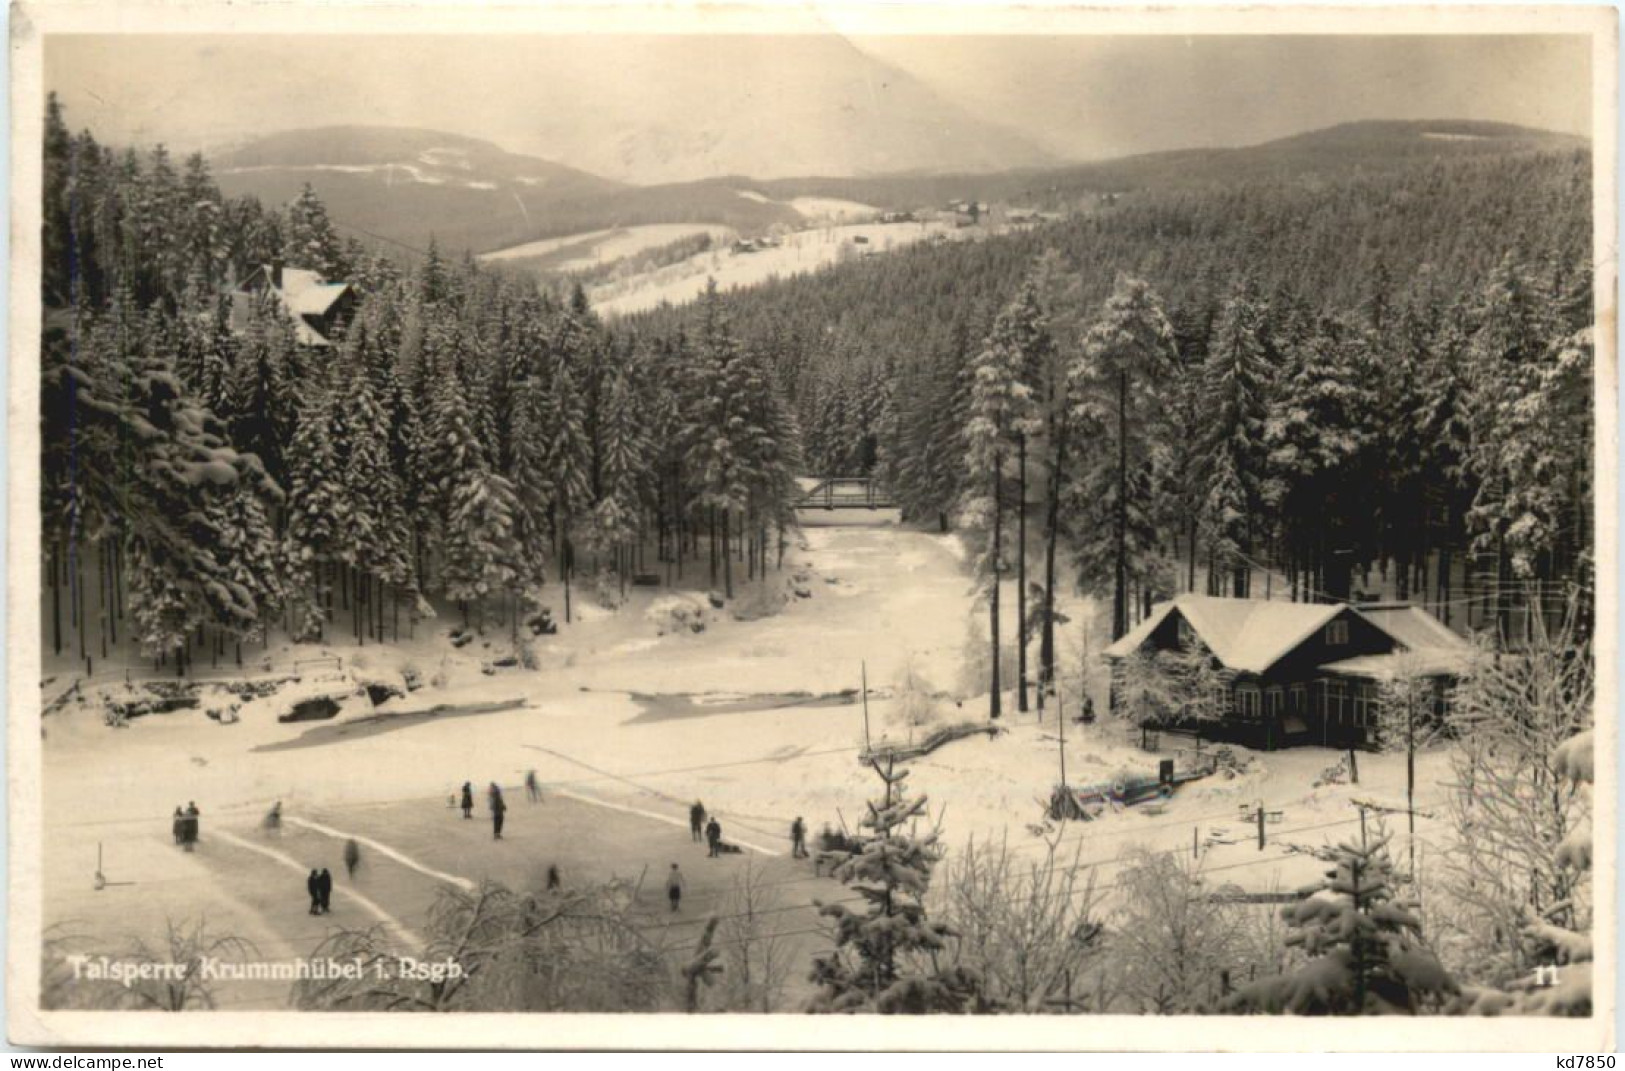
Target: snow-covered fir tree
(888,956)
(1365,950)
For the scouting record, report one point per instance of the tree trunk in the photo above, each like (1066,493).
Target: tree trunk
(1052,524)
(727,560)
(56,598)
(1191,583)
(1120,592)
(566,562)
(993,700)
(1021,574)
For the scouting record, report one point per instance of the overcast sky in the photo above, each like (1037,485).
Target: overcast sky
(1073,97)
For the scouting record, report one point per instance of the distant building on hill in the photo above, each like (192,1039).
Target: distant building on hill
(1302,673)
(314,305)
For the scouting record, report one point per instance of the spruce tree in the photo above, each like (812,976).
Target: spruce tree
(1001,409)
(888,954)
(1127,357)
(1365,950)
(1236,377)
(311,530)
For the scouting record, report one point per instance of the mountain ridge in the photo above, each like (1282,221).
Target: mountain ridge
(402,185)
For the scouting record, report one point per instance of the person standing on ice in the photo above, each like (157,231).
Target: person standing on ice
(498,809)
(713,837)
(191,824)
(798,839)
(554,883)
(178,826)
(313,886)
(696,820)
(674,887)
(324,890)
(533,789)
(352,857)
(468,799)
(273,818)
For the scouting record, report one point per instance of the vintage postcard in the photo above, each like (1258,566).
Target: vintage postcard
(646,527)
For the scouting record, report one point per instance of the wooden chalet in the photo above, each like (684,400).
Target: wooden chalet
(314,305)
(1302,673)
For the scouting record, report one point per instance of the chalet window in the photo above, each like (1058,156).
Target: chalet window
(1337,633)
(1300,699)
(1365,706)
(1335,698)
(1273,699)
(1247,701)
(1222,700)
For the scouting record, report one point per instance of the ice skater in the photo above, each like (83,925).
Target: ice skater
(273,818)
(674,887)
(713,837)
(352,857)
(191,833)
(178,825)
(324,890)
(468,799)
(798,839)
(313,886)
(533,788)
(696,821)
(554,884)
(498,809)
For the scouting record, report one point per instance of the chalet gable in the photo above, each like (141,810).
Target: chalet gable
(313,304)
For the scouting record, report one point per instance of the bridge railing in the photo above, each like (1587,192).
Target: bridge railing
(846,492)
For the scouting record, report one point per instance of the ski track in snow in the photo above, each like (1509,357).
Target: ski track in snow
(293,864)
(657,816)
(384,849)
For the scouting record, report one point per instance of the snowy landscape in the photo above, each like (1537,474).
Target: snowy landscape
(1165,586)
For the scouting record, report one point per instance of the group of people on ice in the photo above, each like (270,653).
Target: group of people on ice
(711,830)
(185,826)
(494,802)
(320,887)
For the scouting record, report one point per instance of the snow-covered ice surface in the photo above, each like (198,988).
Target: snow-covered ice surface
(742,741)
(799,252)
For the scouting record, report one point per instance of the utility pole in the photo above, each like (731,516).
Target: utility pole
(1060,718)
(865,666)
(1259,815)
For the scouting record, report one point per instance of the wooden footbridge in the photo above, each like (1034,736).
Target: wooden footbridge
(843,492)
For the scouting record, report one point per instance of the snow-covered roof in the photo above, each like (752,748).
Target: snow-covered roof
(1247,635)
(1251,635)
(1412,626)
(1430,649)
(1420,662)
(303,293)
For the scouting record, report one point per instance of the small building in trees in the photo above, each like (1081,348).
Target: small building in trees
(1288,673)
(314,305)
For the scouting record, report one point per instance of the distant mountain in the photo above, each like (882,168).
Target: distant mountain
(769,107)
(403,185)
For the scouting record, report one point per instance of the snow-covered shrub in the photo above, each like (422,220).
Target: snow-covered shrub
(1026,927)
(915,701)
(1366,951)
(1170,940)
(606,590)
(574,951)
(976,662)
(1515,805)
(760,600)
(680,613)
